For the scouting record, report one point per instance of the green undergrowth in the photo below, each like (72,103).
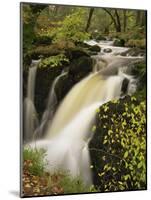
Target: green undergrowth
(118,148)
(35,164)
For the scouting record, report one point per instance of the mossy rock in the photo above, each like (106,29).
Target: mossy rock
(42,40)
(45,51)
(135,51)
(80,67)
(100,37)
(95,48)
(77,52)
(118,147)
(119,42)
(139,71)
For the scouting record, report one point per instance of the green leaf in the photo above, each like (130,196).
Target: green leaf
(126,154)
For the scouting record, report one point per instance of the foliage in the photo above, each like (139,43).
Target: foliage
(37,181)
(118,150)
(54,61)
(37,161)
(136,43)
(74,185)
(28,21)
(72,28)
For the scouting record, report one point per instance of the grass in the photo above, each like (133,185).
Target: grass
(36,160)
(37,181)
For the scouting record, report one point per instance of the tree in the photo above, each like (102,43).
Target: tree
(89,19)
(72,28)
(124,20)
(115,18)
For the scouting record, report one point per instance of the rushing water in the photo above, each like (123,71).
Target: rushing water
(30,114)
(68,133)
(49,111)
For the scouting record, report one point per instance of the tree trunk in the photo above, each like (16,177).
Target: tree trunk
(143,18)
(124,20)
(89,19)
(138,17)
(118,29)
(116,20)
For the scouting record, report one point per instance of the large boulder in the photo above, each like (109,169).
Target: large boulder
(80,67)
(77,52)
(100,37)
(95,48)
(119,42)
(44,79)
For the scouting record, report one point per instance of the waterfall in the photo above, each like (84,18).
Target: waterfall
(30,114)
(51,104)
(68,134)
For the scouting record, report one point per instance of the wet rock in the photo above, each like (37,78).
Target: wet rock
(95,48)
(76,52)
(80,67)
(108,50)
(134,52)
(119,42)
(83,45)
(100,37)
(44,80)
(124,87)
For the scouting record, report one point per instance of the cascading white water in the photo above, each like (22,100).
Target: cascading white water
(68,135)
(30,114)
(49,111)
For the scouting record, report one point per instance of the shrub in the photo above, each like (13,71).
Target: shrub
(54,61)
(141,43)
(35,161)
(118,148)
(72,28)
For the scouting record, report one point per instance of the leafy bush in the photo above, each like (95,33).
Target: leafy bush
(72,28)
(35,160)
(118,148)
(54,61)
(141,43)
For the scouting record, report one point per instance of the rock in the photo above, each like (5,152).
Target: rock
(100,37)
(82,65)
(44,79)
(46,51)
(74,53)
(139,71)
(108,50)
(124,87)
(83,45)
(134,52)
(78,69)
(42,40)
(95,48)
(119,42)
